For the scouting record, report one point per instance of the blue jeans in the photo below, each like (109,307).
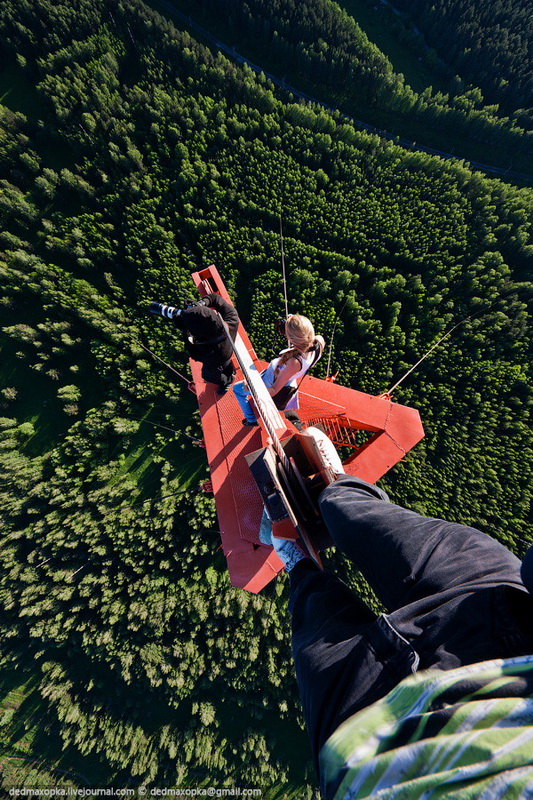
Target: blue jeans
(453,596)
(242,394)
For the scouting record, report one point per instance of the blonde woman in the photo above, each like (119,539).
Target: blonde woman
(285,372)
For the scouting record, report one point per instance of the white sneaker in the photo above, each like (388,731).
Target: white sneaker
(289,552)
(325,451)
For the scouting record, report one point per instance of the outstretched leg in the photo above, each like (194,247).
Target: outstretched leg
(451,589)
(406,557)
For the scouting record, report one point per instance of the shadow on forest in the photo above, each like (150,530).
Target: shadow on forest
(34,732)
(18,92)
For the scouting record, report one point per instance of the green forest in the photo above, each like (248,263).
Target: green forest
(488,43)
(321,47)
(131,154)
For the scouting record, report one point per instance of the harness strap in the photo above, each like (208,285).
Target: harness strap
(290,391)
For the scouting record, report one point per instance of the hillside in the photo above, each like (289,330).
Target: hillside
(323,51)
(130,155)
(489,44)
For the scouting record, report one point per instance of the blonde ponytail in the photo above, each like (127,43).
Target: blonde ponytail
(301,335)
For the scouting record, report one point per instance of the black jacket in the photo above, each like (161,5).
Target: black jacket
(210,343)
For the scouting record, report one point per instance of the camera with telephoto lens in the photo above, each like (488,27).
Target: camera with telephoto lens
(171,312)
(165,311)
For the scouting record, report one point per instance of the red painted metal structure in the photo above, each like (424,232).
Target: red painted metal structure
(376,432)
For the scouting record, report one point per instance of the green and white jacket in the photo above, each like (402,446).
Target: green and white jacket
(463,733)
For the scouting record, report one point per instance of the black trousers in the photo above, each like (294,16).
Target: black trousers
(221,375)
(453,596)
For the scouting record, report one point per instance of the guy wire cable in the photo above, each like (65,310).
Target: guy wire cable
(183,377)
(390,391)
(157,499)
(283,267)
(133,339)
(337,318)
(270,430)
(482,311)
(165,428)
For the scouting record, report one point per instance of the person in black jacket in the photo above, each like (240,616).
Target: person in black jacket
(205,326)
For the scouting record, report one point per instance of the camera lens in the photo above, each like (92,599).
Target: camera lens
(164,311)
